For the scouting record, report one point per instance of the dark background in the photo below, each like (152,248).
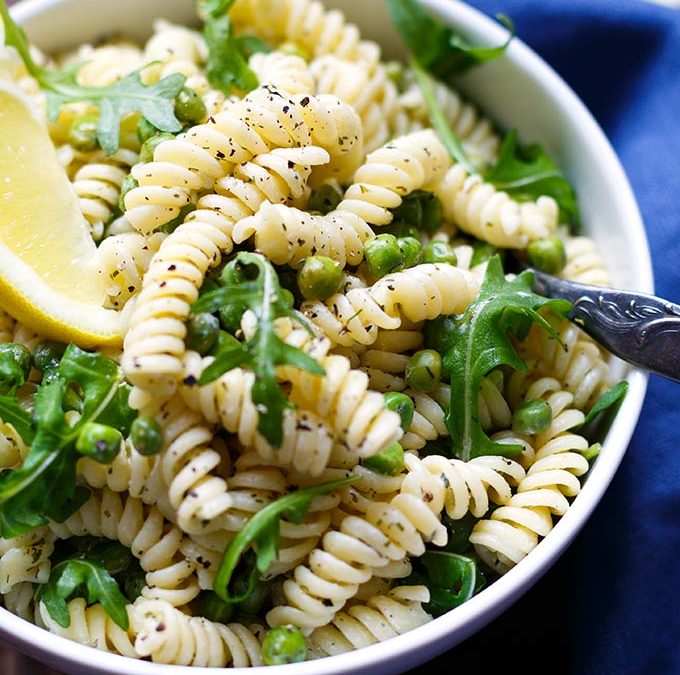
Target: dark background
(610,604)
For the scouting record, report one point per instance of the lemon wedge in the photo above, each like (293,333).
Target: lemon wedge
(48,276)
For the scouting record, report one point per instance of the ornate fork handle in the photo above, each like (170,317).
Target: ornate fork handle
(641,329)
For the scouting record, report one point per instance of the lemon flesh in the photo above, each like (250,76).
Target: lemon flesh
(48,278)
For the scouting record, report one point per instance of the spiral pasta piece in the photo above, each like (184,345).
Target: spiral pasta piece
(478,208)
(167,635)
(584,263)
(308,24)
(285,72)
(390,173)
(13,450)
(26,558)
(138,475)
(307,440)
(91,626)
(20,601)
(190,466)
(97,185)
(351,554)
(264,120)
(105,64)
(366,87)
(461,487)
(150,537)
(573,359)
(513,530)
(357,417)
(123,260)
(382,617)
(476,132)
(419,293)
(287,236)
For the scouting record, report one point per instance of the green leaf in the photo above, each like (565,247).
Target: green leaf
(451,578)
(227,68)
(86,577)
(12,413)
(481,341)
(439,120)
(438,48)
(44,486)
(527,173)
(155,102)
(264,350)
(263,531)
(606,400)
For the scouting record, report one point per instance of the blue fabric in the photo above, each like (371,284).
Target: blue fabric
(622,603)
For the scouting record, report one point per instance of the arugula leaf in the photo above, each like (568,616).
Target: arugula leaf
(527,172)
(12,413)
(89,575)
(262,530)
(438,48)
(480,342)
(45,485)
(155,102)
(451,578)
(440,124)
(227,67)
(264,351)
(606,400)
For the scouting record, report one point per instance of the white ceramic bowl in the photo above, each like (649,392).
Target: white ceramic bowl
(520,91)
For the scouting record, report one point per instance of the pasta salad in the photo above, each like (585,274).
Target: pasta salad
(334,407)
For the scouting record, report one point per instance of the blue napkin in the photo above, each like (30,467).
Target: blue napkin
(618,594)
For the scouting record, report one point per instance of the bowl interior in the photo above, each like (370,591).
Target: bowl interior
(518,91)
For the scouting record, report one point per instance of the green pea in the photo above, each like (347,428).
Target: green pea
(547,255)
(411,250)
(325,199)
(230,317)
(440,252)
(145,130)
(99,441)
(532,417)
(129,183)
(284,644)
(225,341)
(189,106)
(383,255)
(146,435)
(133,584)
(213,608)
(401,404)
(202,332)
(150,145)
(83,133)
(423,370)
(15,359)
(48,354)
(388,462)
(319,277)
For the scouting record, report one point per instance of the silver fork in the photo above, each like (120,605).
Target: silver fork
(640,329)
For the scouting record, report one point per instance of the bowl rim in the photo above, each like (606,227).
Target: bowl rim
(398,655)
